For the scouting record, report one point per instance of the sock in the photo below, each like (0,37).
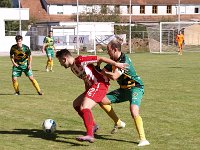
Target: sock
(36,85)
(88,121)
(48,64)
(139,126)
(51,65)
(16,86)
(109,110)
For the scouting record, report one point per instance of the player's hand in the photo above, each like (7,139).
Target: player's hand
(15,65)
(123,66)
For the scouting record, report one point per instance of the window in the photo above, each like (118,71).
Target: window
(142,9)
(59,13)
(169,9)
(196,10)
(154,9)
(104,9)
(117,9)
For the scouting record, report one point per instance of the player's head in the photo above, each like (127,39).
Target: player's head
(114,48)
(19,39)
(50,33)
(65,58)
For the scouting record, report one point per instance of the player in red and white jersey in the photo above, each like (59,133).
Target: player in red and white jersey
(96,86)
(83,68)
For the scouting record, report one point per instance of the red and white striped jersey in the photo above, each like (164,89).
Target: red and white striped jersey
(83,68)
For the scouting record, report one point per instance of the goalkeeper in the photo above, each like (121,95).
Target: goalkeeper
(180,41)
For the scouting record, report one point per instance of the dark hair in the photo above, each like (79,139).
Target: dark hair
(50,31)
(63,52)
(18,37)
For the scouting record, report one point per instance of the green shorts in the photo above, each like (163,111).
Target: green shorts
(134,95)
(50,52)
(17,71)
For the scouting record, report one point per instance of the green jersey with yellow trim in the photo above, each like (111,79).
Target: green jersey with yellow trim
(49,41)
(21,54)
(128,77)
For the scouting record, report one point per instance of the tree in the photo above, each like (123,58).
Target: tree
(6,3)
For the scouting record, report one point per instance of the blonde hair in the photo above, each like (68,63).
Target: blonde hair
(116,43)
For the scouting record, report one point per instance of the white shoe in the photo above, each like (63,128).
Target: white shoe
(143,143)
(47,70)
(116,127)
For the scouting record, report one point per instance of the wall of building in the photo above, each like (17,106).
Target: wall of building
(162,10)
(11,14)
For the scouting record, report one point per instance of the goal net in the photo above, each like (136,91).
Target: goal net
(162,37)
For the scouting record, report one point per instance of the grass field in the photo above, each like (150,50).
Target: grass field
(170,107)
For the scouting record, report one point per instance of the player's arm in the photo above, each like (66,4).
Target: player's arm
(12,58)
(44,45)
(112,75)
(29,62)
(13,61)
(110,61)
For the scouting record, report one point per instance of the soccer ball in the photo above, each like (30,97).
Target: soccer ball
(49,126)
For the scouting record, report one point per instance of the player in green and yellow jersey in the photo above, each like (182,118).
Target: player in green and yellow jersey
(49,48)
(131,88)
(21,58)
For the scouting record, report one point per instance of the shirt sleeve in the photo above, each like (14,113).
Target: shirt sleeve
(86,59)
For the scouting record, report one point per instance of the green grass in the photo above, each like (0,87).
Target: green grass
(170,107)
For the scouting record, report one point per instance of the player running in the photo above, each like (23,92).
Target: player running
(21,58)
(96,86)
(180,41)
(49,48)
(131,86)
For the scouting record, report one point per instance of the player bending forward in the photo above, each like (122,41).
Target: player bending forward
(96,86)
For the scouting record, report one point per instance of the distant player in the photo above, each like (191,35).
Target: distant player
(96,86)
(131,86)
(21,58)
(180,42)
(49,48)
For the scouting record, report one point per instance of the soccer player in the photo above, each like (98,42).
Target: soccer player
(21,58)
(49,48)
(131,86)
(96,86)
(180,41)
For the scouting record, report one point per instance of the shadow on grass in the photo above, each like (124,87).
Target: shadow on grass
(35,133)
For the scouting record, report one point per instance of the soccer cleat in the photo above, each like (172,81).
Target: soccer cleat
(47,70)
(87,138)
(40,93)
(116,127)
(17,93)
(143,143)
(95,128)
(51,70)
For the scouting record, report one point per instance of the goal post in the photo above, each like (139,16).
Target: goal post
(162,38)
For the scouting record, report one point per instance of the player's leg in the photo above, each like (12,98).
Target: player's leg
(15,85)
(106,106)
(77,103)
(88,119)
(48,53)
(51,61)
(115,96)
(134,108)
(94,95)
(179,48)
(16,72)
(29,74)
